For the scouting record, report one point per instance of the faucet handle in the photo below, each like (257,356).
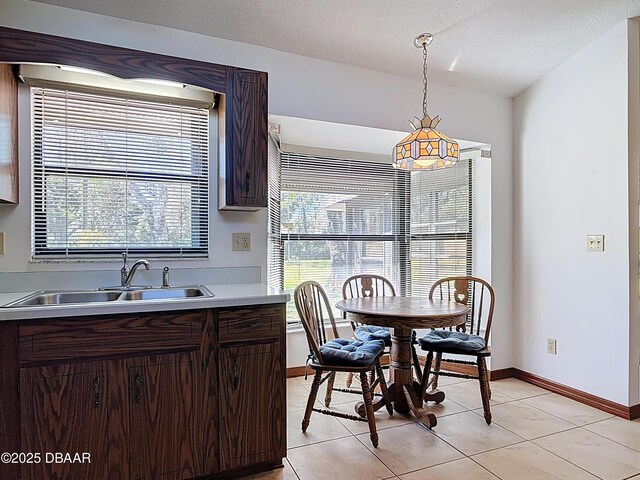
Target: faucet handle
(165,277)
(124,258)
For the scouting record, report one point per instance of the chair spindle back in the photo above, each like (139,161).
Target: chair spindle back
(474,292)
(367,285)
(315,312)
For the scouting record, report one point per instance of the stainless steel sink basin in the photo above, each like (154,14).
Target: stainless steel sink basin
(167,293)
(63,298)
(93,296)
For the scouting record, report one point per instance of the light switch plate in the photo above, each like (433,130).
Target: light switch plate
(595,243)
(240,242)
(1,243)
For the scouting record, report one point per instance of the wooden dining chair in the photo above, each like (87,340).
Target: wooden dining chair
(334,354)
(370,285)
(470,339)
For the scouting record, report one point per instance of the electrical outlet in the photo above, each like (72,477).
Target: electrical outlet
(595,243)
(551,346)
(241,242)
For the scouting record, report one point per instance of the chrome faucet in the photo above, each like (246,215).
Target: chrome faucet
(126,283)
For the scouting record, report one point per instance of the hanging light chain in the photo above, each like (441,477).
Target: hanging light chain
(425,81)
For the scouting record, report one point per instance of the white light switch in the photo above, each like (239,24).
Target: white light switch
(595,243)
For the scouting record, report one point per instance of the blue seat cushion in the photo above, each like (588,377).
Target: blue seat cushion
(340,351)
(450,339)
(366,333)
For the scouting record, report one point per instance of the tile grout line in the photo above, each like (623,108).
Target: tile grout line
(293,469)
(373,453)
(465,409)
(485,468)
(568,461)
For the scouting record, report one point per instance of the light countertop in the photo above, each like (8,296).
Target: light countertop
(234,295)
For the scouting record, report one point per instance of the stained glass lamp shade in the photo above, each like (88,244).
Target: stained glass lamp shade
(425,148)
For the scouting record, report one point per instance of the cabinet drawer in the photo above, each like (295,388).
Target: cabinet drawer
(249,323)
(70,338)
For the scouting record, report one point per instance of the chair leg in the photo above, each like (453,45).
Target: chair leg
(327,396)
(383,388)
(349,380)
(312,398)
(424,383)
(366,394)
(416,363)
(436,369)
(484,389)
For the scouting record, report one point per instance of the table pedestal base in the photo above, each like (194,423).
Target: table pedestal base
(436,396)
(404,399)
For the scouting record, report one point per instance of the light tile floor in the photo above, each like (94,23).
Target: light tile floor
(535,434)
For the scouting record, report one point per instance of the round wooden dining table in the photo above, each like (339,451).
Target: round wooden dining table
(403,314)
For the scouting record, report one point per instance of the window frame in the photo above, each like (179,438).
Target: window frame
(40,173)
(401,241)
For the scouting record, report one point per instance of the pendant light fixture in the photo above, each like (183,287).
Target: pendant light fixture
(425,148)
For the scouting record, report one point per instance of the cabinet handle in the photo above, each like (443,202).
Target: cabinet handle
(247,183)
(138,380)
(96,391)
(236,379)
(249,325)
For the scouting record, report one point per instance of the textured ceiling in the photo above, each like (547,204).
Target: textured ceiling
(501,46)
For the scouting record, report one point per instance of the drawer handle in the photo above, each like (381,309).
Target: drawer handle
(236,378)
(138,380)
(249,325)
(96,391)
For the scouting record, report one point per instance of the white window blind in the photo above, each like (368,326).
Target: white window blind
(112,174)
(441,221)
(275,266)
(334,218)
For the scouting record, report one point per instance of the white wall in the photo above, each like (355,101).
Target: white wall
(572,177)
(309,88)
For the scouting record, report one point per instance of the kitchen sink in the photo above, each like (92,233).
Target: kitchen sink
(167,293)
(63,298)
(93,296)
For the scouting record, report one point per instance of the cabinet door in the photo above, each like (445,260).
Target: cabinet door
(252,405)
(8,134)
(162,416)
(64,409)
(246,143)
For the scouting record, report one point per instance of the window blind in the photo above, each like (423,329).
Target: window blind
(275,265)
(341,217)
(440,226)
(112,174)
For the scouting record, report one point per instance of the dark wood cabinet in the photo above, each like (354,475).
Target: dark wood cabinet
(243,167)
(162,416)
(65,409)
(171,395)
(251,427)
(9,135)
(252,385)
(242,117)
(142,402)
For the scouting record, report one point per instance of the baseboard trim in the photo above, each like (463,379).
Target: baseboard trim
(297,371)
(502,373)
(629,413)
(634,412)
